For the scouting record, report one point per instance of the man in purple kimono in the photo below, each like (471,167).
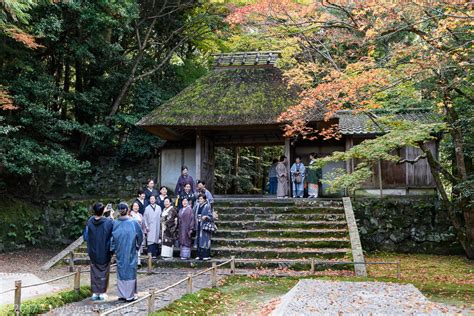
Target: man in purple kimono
(183,179)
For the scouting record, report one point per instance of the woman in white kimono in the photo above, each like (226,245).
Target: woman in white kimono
(282,172)
(152,220)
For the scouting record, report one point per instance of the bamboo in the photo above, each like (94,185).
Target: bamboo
(71,261)
(17,307)
(77,280)
(232,265)
(214,275)
(151,301)
(150,264)
(189,289)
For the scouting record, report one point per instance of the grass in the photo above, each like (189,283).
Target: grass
(445,279)
(45,304)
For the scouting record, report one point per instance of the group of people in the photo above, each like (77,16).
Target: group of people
(155,221)
(298,175)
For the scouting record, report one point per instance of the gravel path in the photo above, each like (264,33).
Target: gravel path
(310,297)
(26,265)
(161,279)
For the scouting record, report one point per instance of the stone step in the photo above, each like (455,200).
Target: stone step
(292,264)
(280,216)
(252,225)
(278,210)
(277,202)
(287,253)
(282,242)
(291,233)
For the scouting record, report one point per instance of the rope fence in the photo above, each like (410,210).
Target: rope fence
(188,279)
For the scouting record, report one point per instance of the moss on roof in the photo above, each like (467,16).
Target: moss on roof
(240,96)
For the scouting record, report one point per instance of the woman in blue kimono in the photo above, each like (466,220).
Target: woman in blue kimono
(203,213)
(127,237)
(297,172)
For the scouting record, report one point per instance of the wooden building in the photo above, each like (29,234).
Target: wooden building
(238,104)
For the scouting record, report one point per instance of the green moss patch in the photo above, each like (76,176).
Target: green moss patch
(45,304)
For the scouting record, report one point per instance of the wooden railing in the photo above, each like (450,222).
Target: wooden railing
(189,289)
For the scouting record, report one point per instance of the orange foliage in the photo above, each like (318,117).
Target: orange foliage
(338,65)
(6,102)
(22,37)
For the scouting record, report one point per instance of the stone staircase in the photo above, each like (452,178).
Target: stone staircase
(273,233)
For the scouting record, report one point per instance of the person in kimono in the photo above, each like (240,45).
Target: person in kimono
(152,220)
(203,213)
(297,177)
(201,188)
(135,214)
(183,179)
(141,201)
(149,191)
(282,172)
(273,178)
(97,234)
(169,229)
(187,194)
(160,199)
(127,237)
(186,229)
(313,177)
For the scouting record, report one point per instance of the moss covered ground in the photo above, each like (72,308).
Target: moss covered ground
(445,279)
(44,304)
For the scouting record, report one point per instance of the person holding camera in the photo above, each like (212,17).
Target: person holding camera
(97,234)
(297,177)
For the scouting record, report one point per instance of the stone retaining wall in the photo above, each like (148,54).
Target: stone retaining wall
(405,224)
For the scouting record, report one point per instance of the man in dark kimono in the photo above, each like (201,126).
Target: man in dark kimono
(187,194)
(141,201)
(149,191)
(183,179)
(127,237)
(97,235)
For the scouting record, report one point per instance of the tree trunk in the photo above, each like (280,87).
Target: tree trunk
(464,224)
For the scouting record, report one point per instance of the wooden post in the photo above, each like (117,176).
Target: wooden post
(232,265)
(214,275)
(311,271)
(17,306)
(151,301)
(189,289)
(288,157)
(379,166)
(150,264)
(77,280)
(198,155)
(398,270)
(71,261)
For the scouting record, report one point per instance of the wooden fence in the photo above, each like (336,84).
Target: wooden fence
(150,296)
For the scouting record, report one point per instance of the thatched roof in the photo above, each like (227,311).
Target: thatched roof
(230,97)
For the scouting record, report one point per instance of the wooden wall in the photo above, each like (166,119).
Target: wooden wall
(417,175)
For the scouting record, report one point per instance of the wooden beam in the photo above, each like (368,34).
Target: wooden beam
(379,167)
(198,155)
(51,262)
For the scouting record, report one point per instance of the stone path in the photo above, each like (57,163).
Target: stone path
(161,279)
(7,281)
(310,297)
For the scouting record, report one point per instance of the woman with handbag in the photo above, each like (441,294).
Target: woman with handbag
(204,227)
(297,177)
